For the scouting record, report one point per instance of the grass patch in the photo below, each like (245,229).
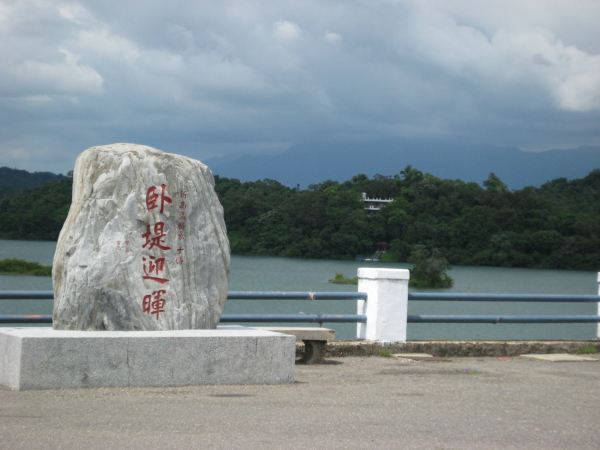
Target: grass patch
(15,266)
(385,353)
(587,349)
(341,279)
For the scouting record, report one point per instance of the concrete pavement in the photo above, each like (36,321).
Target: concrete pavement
(349,402)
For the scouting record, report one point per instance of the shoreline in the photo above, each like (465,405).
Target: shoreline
(460,348)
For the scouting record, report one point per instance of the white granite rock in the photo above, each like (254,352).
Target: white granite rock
(144,246)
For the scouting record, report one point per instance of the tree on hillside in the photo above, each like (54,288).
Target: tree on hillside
(494,184)
(36,214)
(429,268)
(556,225)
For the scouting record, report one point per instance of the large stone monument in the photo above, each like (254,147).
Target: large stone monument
(144,246)
(140,280)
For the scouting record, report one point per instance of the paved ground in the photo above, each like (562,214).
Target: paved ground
(349,402)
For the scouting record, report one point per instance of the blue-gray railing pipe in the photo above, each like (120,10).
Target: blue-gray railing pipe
(26,295)
(295,295)
(467,297)
(25,318)
(354,318)
(425,318)
(419,296)
(232,295)
(303,318)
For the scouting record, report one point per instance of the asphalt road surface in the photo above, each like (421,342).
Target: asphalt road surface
(351,402)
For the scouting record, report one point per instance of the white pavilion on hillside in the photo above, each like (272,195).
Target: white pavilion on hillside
(375,204)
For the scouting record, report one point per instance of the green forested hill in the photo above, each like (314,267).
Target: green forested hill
(556,225)
(37,213)
(15,180)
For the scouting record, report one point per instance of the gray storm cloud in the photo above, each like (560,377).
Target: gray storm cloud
(216,78)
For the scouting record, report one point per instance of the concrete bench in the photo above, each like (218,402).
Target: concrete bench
(314,339)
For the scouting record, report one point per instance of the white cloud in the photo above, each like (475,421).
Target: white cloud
(102,44)
(66,77)
(576,81)
(507,60)
(4,14)
(570,76)
(581,91)
(180,37)
(286,30)
(75,13)
(221,74)
(332,38)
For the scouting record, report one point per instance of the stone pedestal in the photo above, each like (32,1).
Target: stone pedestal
(43,358)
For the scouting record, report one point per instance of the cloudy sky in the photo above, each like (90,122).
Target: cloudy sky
(211,79)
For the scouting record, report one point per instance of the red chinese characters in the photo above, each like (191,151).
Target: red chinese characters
(154,303)
(179,257)
(155,238)
(181,225)
(123,246)
(154,265)
(152,197)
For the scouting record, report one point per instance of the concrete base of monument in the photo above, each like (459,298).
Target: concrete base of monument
(43,358)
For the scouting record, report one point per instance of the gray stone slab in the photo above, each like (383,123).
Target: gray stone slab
(304,333)
(43,358)
(559,357)
(8,353)
(413,356)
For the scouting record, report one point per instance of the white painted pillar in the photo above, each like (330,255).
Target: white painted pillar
(386,306)
(598,309)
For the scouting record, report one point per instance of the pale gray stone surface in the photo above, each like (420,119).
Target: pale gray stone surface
(43,358)
(559,357)
(9,354)
(304,333)
(110,242)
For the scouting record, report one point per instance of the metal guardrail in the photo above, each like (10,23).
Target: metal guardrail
(254,318)
(25,318)
(356,318)
(305,318)
(26,295)
(469,297)
(232,295)
(295,295)
(481,318)
(307,295)
(497,319)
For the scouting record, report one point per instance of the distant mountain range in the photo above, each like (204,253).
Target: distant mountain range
(312,163)
(15,180)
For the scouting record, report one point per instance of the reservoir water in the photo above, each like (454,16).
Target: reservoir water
(285,274)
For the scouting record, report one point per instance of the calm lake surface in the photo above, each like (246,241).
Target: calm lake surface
(285,274)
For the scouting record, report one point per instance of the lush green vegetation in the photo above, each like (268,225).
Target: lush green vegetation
(385,353)
(429,269)
(587,349)
(38,213)
(556,225)
(340,278)
(15,180)
(21,267)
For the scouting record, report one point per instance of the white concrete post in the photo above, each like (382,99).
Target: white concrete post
(598,309)
(386,306)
